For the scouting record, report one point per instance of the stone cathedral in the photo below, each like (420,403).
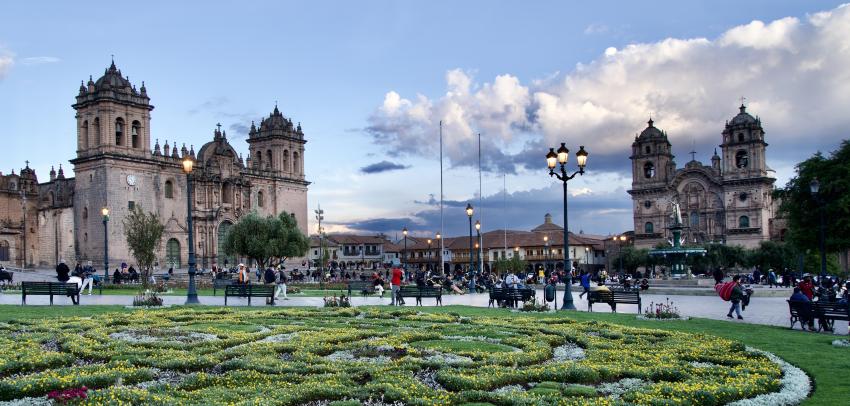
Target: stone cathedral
(116,167)
(728,201)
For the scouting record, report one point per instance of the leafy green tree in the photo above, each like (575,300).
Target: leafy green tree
(514,265)
(266,240)
(771,254)
(633,258)
(802,209)
(144,236)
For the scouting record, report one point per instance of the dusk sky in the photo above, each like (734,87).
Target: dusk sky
(370,81)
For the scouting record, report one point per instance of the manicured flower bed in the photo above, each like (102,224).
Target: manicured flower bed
(365,356)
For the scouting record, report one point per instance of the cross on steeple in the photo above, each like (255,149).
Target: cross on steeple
(219,126)
(743,99)
(28,163)
(693,150)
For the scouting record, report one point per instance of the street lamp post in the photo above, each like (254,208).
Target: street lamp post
(320,215)
(440,254)
(430,255)
(546,255)
(553,159)
(404,253)
(478,266)
(105,212)
(814,187)
(191,294)
(620,240)
(469,212)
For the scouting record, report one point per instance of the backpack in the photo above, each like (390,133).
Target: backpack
(724,290)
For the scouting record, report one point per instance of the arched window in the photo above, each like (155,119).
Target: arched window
(51,198)
(742,159)
(743,222)
(223,259)
(119,131)
(296,164)
(172,253)
(85,213)
(4,250)
(648,170)
(648,149)
(169,190)
(259,156)
(694,219)
(84,135)
(97,139)
(286,160)
(269,160)
(648,228)
(740,137)
(260,199)
(134,134)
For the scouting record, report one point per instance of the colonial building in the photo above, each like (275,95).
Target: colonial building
(117,169)
(728,201)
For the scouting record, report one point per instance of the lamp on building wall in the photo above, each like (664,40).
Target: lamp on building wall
(105,212)
(469,212)
(814,187)
(554,159)
(191,293)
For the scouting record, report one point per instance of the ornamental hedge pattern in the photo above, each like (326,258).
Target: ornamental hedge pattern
(372,357)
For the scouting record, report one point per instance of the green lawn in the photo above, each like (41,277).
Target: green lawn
(201,292)
(826,364)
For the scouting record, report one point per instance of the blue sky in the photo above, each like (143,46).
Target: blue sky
(369,81)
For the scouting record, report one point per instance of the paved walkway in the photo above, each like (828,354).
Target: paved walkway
(762,310)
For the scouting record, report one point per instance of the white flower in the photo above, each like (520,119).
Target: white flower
(795,386)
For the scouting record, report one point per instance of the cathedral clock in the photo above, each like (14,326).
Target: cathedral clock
(131,180)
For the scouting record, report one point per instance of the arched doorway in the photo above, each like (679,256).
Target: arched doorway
(223,260)
(172,253)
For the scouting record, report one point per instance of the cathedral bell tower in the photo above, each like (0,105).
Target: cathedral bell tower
(743,147)
(277,146)
(652,159)
(112,116)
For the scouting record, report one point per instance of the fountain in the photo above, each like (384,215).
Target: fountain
(675,256)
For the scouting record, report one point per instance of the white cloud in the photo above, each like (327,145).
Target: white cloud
(792,71)
(7,59)
(596,28)
(39,60)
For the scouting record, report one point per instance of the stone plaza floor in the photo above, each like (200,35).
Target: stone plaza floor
(762,310)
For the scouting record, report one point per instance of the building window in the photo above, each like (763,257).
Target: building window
(694,219)
(648,149)
(648,170)
(296,165)
(286,160)
(226,192)
(84,134)
(742,159)
(134,134)
(743,222)
(648,228)
(740,137)
(119,132)
(260,199)
(269,160)
(85,213)
(169,190)
(97,140)
(647,203)
(86,237)
(131,205)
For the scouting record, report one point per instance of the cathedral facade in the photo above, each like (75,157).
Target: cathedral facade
(116,168)
(729,201)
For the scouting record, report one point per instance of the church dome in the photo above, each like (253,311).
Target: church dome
(743,118)
(275,121)
(113,80)
(651,132)
(218,147)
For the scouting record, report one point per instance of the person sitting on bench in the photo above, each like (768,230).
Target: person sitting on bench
(805,312)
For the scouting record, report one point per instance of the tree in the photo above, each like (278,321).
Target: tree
(144,236)
(633,258)
(771,254)
(266,240)
(515,265)
(802,210)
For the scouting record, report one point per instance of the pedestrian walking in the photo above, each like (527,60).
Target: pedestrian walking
(735,297)
(242,277)
(771,278)
(281,283)
(585,284)
(88,278)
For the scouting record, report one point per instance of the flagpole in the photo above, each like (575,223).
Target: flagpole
(505,208)
(480,207)
(442,233)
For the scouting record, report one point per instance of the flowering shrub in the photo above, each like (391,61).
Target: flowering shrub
(147,299)
(532,306)
(664,310)
(297,356)
(68,395)
(341,301)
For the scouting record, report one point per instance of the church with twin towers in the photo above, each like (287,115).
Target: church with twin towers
(730,201)
(120,164)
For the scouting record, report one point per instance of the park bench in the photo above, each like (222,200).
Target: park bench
(363,287)
(50,289)
(510,296)
(421,291)
(800,312)
(249,291)
(613,298)
(221,283)
(828,312)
